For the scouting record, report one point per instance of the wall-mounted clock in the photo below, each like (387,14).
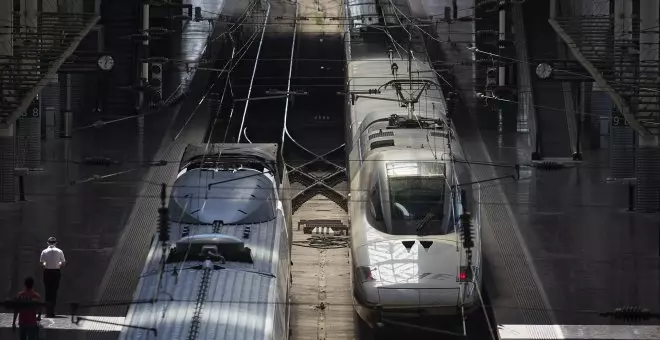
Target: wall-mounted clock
(106,62)
(544,71)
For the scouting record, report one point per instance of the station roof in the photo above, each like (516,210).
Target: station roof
(37,57)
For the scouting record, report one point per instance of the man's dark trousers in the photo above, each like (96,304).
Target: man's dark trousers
(29,332)
(51,285)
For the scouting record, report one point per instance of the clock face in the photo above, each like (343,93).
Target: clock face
(543,70)
(106,62)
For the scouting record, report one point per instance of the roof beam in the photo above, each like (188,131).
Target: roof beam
(598,77)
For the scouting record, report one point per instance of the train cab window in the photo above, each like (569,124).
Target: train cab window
(418,198)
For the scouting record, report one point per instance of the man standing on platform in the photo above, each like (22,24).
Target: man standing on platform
(52,259)
(28,312)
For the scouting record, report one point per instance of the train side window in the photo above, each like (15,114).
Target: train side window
(375,208)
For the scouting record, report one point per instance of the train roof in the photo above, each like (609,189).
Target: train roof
(218,277)
(227,303)
(265,151)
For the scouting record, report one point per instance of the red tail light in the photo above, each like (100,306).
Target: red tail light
(465,274)
(462,276)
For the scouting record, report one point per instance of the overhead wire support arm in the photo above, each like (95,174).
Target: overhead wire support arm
(275,95)
(75,319)
(514,177)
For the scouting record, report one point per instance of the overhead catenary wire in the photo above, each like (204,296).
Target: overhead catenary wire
(288,86)
(465,219)
(157,293)
(232,61)
(635,312)
(207,144)
(254,72)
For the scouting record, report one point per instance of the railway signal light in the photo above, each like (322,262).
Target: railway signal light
(466,230)
(156,82)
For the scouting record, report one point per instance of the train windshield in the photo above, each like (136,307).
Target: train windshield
(417,196)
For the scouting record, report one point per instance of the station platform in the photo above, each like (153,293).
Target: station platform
(104,217)
(560,246)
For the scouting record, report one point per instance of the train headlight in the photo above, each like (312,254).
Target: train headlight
(364,274)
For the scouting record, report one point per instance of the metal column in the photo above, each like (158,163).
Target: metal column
(50,108)
(7,165)
(502,37)
(648,152)
(622,136)
(66,122)
(144,78)
(50,94)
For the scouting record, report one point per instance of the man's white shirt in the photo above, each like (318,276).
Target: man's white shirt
(53,257)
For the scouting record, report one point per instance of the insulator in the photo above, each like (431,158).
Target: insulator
(466,230)
(630,313)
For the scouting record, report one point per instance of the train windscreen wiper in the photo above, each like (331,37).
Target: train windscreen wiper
(424,222)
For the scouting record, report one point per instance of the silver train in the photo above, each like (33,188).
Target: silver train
(227,272)
(365,13)
(409,185)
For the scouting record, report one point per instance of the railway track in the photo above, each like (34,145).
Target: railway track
(314,156)
(313,152)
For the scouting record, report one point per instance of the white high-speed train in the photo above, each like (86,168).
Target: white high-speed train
(409,184)
(227,272)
